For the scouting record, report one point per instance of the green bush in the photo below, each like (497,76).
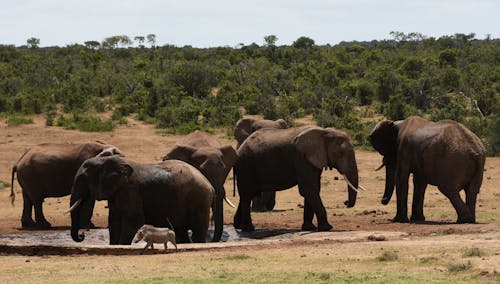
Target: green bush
(85,123)
(15,120)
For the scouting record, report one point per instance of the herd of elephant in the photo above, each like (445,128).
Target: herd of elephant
(187,187)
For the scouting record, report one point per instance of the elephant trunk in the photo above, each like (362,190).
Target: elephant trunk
(352,180)
(218,215)
(75,222)
(390,169)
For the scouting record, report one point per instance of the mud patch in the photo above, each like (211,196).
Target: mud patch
(96,241)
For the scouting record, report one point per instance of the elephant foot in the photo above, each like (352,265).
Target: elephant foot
(28,223)
(401,219)
(247,228)
(325,227)
(308,227)
(89,226)
(417,218)
(468,220)
(43,225)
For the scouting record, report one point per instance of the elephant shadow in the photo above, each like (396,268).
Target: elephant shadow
(259,234)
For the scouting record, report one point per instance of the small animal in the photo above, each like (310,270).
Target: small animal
(153,235)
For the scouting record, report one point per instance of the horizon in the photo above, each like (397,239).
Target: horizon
(219,23)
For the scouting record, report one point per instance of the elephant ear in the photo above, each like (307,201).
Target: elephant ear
(114,175)
(228,156)
(282,123)
(311,142)
(180,152)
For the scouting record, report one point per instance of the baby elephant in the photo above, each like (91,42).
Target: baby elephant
(151,235)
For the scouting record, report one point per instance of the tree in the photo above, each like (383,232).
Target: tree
(303,42)
(270,40)
(92,44)
(140,40)
(33,42)
(151,39)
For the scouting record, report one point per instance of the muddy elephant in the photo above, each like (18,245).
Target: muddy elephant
(266,200)
(278,159)
(443,153)
(139,194)
(213,160)
(47,170)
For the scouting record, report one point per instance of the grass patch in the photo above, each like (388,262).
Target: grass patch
(4,184)
(457,267)
(473,252)
(428,259)
(15,120)
(388,256)
(86,123)
(238,257)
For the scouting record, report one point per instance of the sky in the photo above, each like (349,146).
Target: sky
(212,23)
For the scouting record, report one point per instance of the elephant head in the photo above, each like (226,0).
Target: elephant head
(384,139)
(214,163)
(99,178)
(246,126)
(331,148)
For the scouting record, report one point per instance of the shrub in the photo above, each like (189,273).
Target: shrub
(457,267)
(85,123)
(18,120)
(473,252)
(388,256)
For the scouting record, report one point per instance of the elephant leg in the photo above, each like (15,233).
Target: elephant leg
(464,215)
(313,201)
(470,200)
(308,225)
(40,220)
(402,176)
(26,220)
(246,219)
(417,209)
(114,227)
(199,223)
(181,235)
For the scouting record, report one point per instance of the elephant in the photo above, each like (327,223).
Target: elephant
(266,200)
(444,153)
(278,159)
(213,160)
(47,170)
(138,194)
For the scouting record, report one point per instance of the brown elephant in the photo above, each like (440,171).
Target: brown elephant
(155,194)
(47,170)
(266,200)
(278,159)
(213,160)
(443,153)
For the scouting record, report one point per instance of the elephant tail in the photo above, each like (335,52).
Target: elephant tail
(12,194)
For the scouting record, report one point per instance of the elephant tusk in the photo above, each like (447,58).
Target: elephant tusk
(229,202)
(76,204)
(360,186)
(350,184)
(381,166)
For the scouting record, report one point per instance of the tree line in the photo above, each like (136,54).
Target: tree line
(185,88)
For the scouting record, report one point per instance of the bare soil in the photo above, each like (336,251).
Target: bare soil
(145,144)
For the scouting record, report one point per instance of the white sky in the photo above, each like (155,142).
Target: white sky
(227,23)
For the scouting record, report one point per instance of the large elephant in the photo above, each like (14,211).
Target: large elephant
(278,159)
(266,200)
(155,194)
(47,170)
(205,153)
(443,153)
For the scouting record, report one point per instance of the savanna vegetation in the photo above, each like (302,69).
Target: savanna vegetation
(186,88)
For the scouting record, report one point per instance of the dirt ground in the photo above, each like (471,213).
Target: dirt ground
(145,144)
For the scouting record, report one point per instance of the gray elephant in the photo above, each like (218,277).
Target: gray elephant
(47,170)
(141,194)
(266,200)
(278,159)
(205,153)
(443,153)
